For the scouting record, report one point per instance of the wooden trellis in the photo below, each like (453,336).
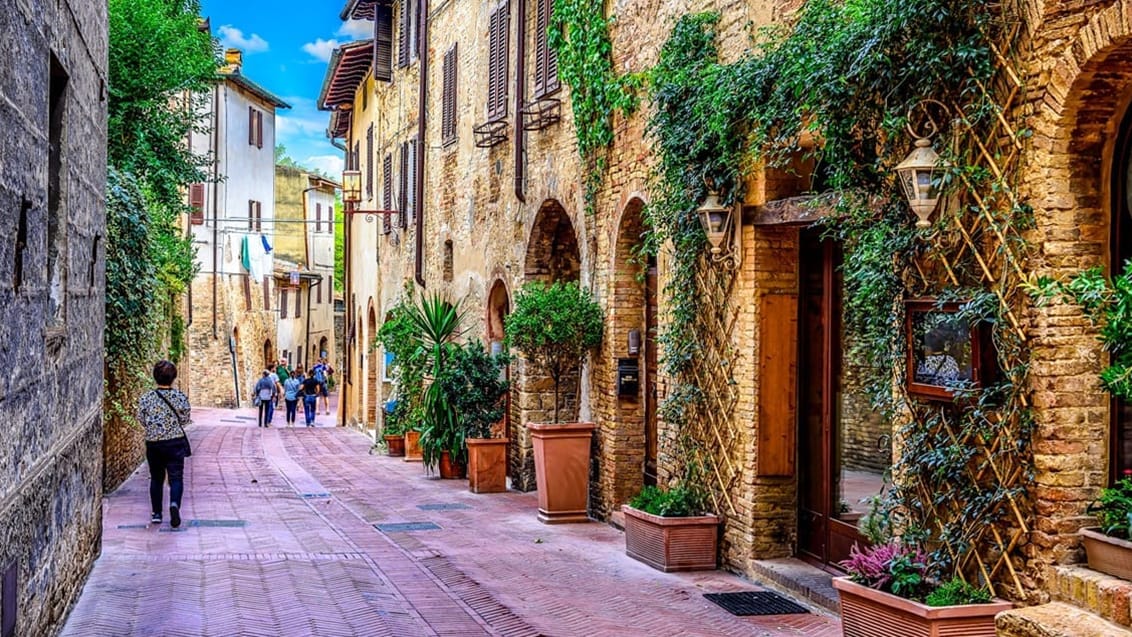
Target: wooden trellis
(979,244)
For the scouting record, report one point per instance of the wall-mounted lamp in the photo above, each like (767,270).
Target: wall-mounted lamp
(719,224)
(919,173)
(352,195)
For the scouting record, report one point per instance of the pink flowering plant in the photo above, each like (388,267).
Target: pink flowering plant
(891,567)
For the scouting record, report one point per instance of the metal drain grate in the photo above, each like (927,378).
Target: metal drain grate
(401,527)
(133,526)
(442,507)
(309,496)
(219,523)
(755,603)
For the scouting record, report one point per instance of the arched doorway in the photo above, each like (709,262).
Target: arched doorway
(633,332)
(498,307)
(1120,251)
(552,255)
(371,393)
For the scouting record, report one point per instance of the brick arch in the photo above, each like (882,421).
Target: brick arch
(552,251)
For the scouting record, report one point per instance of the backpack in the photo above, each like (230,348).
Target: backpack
(320,374)
(265,393)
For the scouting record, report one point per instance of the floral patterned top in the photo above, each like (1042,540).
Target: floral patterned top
(159,421)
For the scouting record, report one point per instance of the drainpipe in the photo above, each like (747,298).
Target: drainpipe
(216,208)
(520,97)
(348,354)
(422,101)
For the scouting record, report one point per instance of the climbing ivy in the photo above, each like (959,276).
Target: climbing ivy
(578,33)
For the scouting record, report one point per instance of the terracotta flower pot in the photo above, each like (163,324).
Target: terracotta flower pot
(451,470)
(413,446)
(867,612)
(395,445)
(487,465)
(562,471)
(1107,554)
(671,544)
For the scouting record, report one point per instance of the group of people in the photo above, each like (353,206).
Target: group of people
(293,385)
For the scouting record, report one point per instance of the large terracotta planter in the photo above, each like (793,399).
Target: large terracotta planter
(867,612)
(1107,554)
(487,465)
(450,470)
(671,544)
(562,471)
(413,446)
(395,445)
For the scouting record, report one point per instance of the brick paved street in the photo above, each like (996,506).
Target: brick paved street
(279,540)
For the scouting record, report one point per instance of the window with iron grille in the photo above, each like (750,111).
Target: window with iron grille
(448,102)
(546,58)
(498,29)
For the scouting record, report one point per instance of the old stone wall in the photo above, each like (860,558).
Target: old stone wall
(52,297)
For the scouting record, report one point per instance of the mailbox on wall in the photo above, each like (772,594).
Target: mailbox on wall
(628,377)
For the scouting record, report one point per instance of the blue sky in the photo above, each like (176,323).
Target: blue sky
(286,44)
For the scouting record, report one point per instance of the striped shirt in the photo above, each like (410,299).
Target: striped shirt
(159,421)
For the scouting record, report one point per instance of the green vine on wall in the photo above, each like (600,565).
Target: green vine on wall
(579,35)
(834,87)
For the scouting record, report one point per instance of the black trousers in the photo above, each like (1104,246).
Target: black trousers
(165,459)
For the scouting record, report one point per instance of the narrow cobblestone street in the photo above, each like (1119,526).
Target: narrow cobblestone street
(279,540)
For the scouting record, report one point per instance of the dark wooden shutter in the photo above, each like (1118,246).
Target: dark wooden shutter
(319,301)
(251,126)
(546,58)
(355,154)
(196,203)
(247,277)
(403,35)
(411,196)
(251,215)
(448,103)
(497,62)
(403,186)
(387,193)
(299,301)
(266,292)
(383,42)
(318,217)
(259,216)
(282,303)
(369,162)
(259,129)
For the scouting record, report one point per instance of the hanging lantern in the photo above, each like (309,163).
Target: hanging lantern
(918,175)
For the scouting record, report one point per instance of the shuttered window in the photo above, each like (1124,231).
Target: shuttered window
(255,127)
(403,187)
(282,303)
(266,293)
(383,42)
(448,101)
(255,216)
(319,297)
(387,193)
(318,217)
(497,62)
(369,162)
(299,302)
(546,59)
(247,291)
(251,215)
(407,41)
(196,204)
(411,196)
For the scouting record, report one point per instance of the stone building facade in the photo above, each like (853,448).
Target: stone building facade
(500,204)
(52,299)
(231,324)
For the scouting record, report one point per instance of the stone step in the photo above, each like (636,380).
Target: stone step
(799,579)
(1055,619)
(1103,595)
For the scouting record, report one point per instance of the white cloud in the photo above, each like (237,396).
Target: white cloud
(356,29)
(321,49)
(233,38)
(331,165)
(289,127)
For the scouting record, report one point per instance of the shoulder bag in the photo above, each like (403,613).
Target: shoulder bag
(187,450)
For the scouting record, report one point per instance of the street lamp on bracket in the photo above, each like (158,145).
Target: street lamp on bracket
(719,225)
(919,174)
(352,196)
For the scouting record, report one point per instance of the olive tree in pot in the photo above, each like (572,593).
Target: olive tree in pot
(554,326)
(437,324)
(474,384)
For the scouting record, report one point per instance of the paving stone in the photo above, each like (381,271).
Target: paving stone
(317,566)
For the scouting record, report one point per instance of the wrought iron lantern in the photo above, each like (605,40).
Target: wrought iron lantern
(351,186)
(919,178)
(718,222)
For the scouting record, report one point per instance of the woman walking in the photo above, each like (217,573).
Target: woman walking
(291,388)
(264,398)
(164,412)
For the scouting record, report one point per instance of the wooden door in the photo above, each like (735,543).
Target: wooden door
(650,387)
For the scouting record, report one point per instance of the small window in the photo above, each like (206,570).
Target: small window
(387,194)
(299,302)
(383,42)
(546,58)
(498,30)
(196,204)
(369,162)
(318,217)
(318,297)
(282,303)
(448,260)
(266,293)
(247,291)
(448,101)
(407,46)
(255,127)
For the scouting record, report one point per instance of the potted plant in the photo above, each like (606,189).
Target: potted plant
(669,530)
(554,326)
(394,430)
(888,586)
(399,336)
(436,322)
(475,384)
(1107,547)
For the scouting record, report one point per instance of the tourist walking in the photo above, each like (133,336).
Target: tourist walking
(291,389)
(310,398)
(322,372)
(264,397)
(163,413)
